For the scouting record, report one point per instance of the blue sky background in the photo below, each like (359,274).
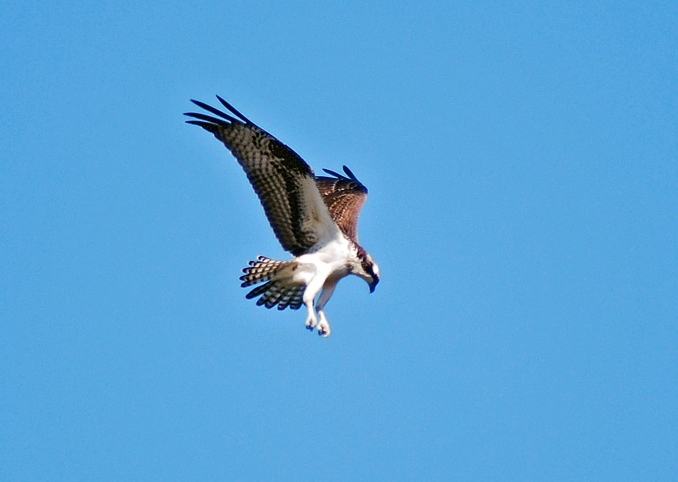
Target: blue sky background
(522,161)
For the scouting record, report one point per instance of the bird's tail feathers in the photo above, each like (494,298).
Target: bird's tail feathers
(277,288)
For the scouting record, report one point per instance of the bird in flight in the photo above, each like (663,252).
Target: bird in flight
(315,218)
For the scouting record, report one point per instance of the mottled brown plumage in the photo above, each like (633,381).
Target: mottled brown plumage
(344,196)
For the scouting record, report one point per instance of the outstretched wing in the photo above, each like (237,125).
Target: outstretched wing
(344,195)
(284,183)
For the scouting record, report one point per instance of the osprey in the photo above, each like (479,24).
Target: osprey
(314,217)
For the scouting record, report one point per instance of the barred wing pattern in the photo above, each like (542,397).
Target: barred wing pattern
(344,196)
(280,177)
(276,289)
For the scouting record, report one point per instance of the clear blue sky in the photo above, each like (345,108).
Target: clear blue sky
(522,161)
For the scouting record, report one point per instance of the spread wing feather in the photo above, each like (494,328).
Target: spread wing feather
(280,177)
(344,196)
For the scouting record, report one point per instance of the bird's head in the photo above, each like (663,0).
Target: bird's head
(369,270)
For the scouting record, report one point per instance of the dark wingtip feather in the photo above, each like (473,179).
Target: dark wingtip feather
(334,173)
(208,118)
(234,110)
(214,111)
(350,173)
(205,125)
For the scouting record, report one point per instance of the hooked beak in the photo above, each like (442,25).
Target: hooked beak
(374,284)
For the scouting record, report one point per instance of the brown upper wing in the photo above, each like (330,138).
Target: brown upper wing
(344,195)
(282,180)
